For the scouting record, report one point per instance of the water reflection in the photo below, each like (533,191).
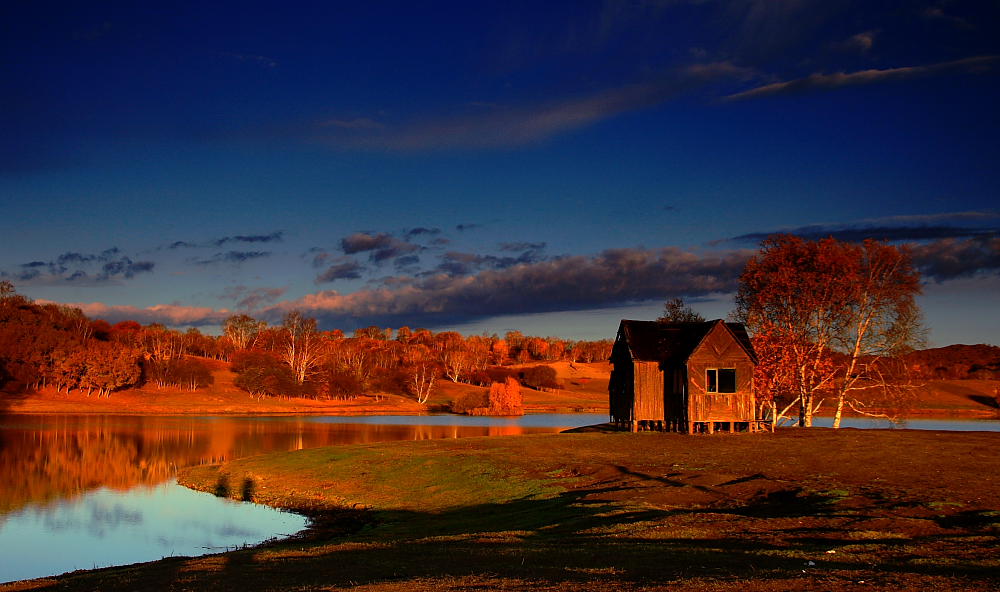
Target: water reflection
(47,458)
(950,425)
(81,491)
(105,527)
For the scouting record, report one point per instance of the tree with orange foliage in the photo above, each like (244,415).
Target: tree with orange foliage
(825,316)
(498,351)
(505,398)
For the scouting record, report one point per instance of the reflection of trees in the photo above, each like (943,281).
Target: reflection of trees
(47,458)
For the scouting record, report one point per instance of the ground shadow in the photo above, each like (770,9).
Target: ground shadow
(985,400)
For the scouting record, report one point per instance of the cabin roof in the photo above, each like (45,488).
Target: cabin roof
(653,341)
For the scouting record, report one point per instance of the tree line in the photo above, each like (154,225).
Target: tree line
(49,345)
(295,358)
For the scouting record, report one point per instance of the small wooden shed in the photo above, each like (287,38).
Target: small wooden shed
(683,377)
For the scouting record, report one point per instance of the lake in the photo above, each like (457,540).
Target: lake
(85,491)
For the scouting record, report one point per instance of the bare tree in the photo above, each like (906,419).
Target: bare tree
(675,311)
(302,345)
(243,330)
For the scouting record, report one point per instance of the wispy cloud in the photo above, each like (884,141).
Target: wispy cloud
(79,269)
(346,269)
(234,257)
(612,277)
(860,43)
(941,253)
(380,246)
(941,217)
(937,13)
(420,231)
(860,233)
(274,237)
(168,314)
(501,127)
(457,263)
(521,246)
(952,258)
(817,82)
(252,298)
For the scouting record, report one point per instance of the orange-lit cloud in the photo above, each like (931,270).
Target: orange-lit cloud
(816,82)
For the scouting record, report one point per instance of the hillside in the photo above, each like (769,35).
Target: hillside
(956,362)
(583,389)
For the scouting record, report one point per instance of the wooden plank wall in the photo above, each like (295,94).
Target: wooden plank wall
(620,397)
(648,391)
(720,350)
(674,404)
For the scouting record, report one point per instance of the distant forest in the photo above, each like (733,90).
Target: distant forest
(48,345)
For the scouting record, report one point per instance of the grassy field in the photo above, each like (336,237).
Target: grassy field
(796,510)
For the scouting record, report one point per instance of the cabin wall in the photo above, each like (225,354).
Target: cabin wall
(621,384)
(720,350)
(675,395)
(648,391)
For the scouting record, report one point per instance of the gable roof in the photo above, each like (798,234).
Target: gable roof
(653,341)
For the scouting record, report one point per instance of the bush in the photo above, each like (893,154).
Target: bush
(540,377)
(499,374)
(478,378)
(468,402)
(506,399)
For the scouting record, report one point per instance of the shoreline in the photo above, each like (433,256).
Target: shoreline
(609,511)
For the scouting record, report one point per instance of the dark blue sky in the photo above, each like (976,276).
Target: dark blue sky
(489,166)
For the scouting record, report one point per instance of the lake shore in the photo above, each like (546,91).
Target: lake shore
(796,510)
(585,392)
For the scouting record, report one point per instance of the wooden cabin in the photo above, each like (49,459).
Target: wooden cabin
(683,377)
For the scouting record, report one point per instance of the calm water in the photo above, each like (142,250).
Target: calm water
(78,492)
(952,425)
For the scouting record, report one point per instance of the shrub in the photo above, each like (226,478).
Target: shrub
(468,402)
(499,374)
(505,398)
(540,377)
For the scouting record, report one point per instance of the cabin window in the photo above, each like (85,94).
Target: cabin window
(721,380)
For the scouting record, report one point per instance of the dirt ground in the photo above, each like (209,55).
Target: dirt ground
(809,509)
